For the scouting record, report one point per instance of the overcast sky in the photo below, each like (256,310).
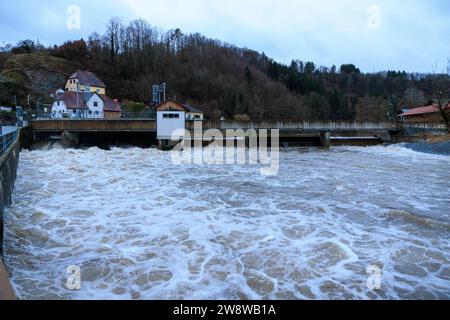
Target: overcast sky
(411,35)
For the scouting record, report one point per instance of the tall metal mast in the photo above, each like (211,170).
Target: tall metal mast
(159,93)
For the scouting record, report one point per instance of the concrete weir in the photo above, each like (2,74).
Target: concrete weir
(295,133)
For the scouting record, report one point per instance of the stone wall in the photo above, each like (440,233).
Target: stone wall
(8,172)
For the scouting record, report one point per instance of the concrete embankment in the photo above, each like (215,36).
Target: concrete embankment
(9,162)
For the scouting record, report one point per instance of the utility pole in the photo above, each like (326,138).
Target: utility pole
(164,91)
(78,102)
(85,111)
(38,102)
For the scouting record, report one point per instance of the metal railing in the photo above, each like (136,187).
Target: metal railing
(138,115)
(7,140)
(123,115)
(301,125)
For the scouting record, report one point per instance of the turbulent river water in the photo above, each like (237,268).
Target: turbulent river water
(140,227)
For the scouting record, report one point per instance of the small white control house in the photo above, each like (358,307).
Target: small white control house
(172,116)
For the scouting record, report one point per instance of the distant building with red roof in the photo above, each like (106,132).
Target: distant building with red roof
(428,113)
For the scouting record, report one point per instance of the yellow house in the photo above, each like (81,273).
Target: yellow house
(85,81)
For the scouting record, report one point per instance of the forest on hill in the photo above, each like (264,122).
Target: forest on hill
(219,78)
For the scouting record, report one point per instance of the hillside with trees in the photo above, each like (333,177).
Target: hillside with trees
(220,78)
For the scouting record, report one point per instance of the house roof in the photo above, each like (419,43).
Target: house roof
(403,111)
(192,109)
(110,104)
(87,78)
(70,100)
(172,105)
(420,111)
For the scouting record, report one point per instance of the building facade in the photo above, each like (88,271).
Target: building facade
(427,114)
(172,116)
(78,105)
(85,81)
(84,97)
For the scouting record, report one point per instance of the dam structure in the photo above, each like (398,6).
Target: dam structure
(306,133)
(307,191)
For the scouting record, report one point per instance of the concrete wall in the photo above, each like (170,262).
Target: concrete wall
(147,125)
(302,125)
(9,162)
(8,173)
(168,122)
(119,125)
(6,291)
(312,125)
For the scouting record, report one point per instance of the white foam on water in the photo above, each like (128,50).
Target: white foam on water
(141,227)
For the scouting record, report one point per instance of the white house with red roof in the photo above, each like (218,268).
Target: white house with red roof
(85,97)
(78,105)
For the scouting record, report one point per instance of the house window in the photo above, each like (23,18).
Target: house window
(96,113)
(95,104)
(90,112)
(171,116)
(58,103)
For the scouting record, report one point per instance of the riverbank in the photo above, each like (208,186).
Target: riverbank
(439,138)
(432,144)
(6,291)
(442,148)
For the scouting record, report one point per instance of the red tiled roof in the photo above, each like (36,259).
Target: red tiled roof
(87,78)
(187,107)
(70,100)
(420,111)
(110,104)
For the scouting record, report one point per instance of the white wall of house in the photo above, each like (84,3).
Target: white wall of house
(58,109)
(95,107)
(168,122)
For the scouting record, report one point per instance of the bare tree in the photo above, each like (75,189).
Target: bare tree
(442,96)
